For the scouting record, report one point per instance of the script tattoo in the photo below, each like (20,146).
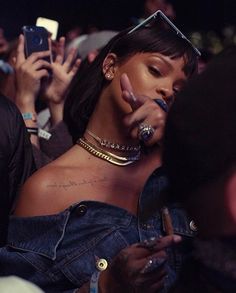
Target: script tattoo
(71,183)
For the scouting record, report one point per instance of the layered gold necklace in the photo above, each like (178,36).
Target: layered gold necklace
(113,145)
(108,156)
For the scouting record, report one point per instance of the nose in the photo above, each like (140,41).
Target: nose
(166,92)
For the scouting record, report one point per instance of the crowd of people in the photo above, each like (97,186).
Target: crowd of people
(125,180)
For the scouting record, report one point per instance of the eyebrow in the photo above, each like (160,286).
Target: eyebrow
(162,59)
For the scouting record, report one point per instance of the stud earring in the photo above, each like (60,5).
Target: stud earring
(108,76)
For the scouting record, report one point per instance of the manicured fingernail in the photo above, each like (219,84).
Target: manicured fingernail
(162,104)
(133,96)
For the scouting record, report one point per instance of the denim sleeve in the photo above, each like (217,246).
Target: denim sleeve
(14,263)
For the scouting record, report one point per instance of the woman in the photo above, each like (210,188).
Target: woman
(101,196)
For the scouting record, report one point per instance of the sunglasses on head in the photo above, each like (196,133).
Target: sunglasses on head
(162,16)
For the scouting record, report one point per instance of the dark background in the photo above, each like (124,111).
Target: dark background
(201,15)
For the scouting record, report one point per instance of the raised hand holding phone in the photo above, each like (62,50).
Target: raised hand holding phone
(29,72)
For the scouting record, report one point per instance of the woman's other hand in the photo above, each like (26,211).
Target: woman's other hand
(139,266)
(146,112)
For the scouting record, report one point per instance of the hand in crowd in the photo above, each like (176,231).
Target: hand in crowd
(63,71)
(29,72)
(138,267)
(147,112)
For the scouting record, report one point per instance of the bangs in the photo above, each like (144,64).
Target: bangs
(163,41)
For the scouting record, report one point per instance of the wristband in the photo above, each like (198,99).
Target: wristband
(44,134)
(94,282)
(29,116)
(32,130)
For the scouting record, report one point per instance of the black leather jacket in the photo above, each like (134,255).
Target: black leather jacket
(16,159)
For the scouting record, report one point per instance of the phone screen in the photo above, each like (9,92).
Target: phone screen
(50,25)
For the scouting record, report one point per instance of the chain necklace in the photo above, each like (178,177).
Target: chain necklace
(113,145)
(105,155)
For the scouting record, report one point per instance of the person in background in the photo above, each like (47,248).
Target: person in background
(4,44)
(205,58)
(200,130)
(33,80)
(90,43)
(16,163)
(150,6)
(103,195)
(7,76)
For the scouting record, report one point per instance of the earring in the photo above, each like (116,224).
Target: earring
(108,76)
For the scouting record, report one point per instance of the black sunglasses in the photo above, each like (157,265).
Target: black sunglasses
(160,14)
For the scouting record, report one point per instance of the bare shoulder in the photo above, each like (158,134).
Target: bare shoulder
(46,192)
(39,195)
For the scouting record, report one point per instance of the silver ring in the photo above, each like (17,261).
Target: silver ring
(153,264)
(145,132)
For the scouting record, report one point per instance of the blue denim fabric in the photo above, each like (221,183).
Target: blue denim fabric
(59,252)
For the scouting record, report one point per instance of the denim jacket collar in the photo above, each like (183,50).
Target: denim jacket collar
(53,228)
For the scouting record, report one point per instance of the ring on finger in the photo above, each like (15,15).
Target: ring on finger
(145,132)
(152,264)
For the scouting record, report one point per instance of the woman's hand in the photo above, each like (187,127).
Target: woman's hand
(55,88)
(29,73)
(138,267)
(147,120)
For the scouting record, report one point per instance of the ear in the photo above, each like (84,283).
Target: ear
(109,66)
(230,197)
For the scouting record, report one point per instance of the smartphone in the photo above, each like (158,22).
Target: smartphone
(36,40)
(50,25)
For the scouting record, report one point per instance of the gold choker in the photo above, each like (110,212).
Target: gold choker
(113,145)
(105,155)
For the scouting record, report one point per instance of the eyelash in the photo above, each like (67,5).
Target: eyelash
(176,91)
(155,71)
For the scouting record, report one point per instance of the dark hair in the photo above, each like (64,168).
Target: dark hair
(87,87)
(200,134)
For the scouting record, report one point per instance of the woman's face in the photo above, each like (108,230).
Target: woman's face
(151,74)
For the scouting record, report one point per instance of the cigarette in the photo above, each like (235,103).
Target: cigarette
(167,222)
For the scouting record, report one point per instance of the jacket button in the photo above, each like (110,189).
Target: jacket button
(101,264)
(193,226)
(81,210)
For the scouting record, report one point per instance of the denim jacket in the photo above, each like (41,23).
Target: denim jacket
(59,252)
